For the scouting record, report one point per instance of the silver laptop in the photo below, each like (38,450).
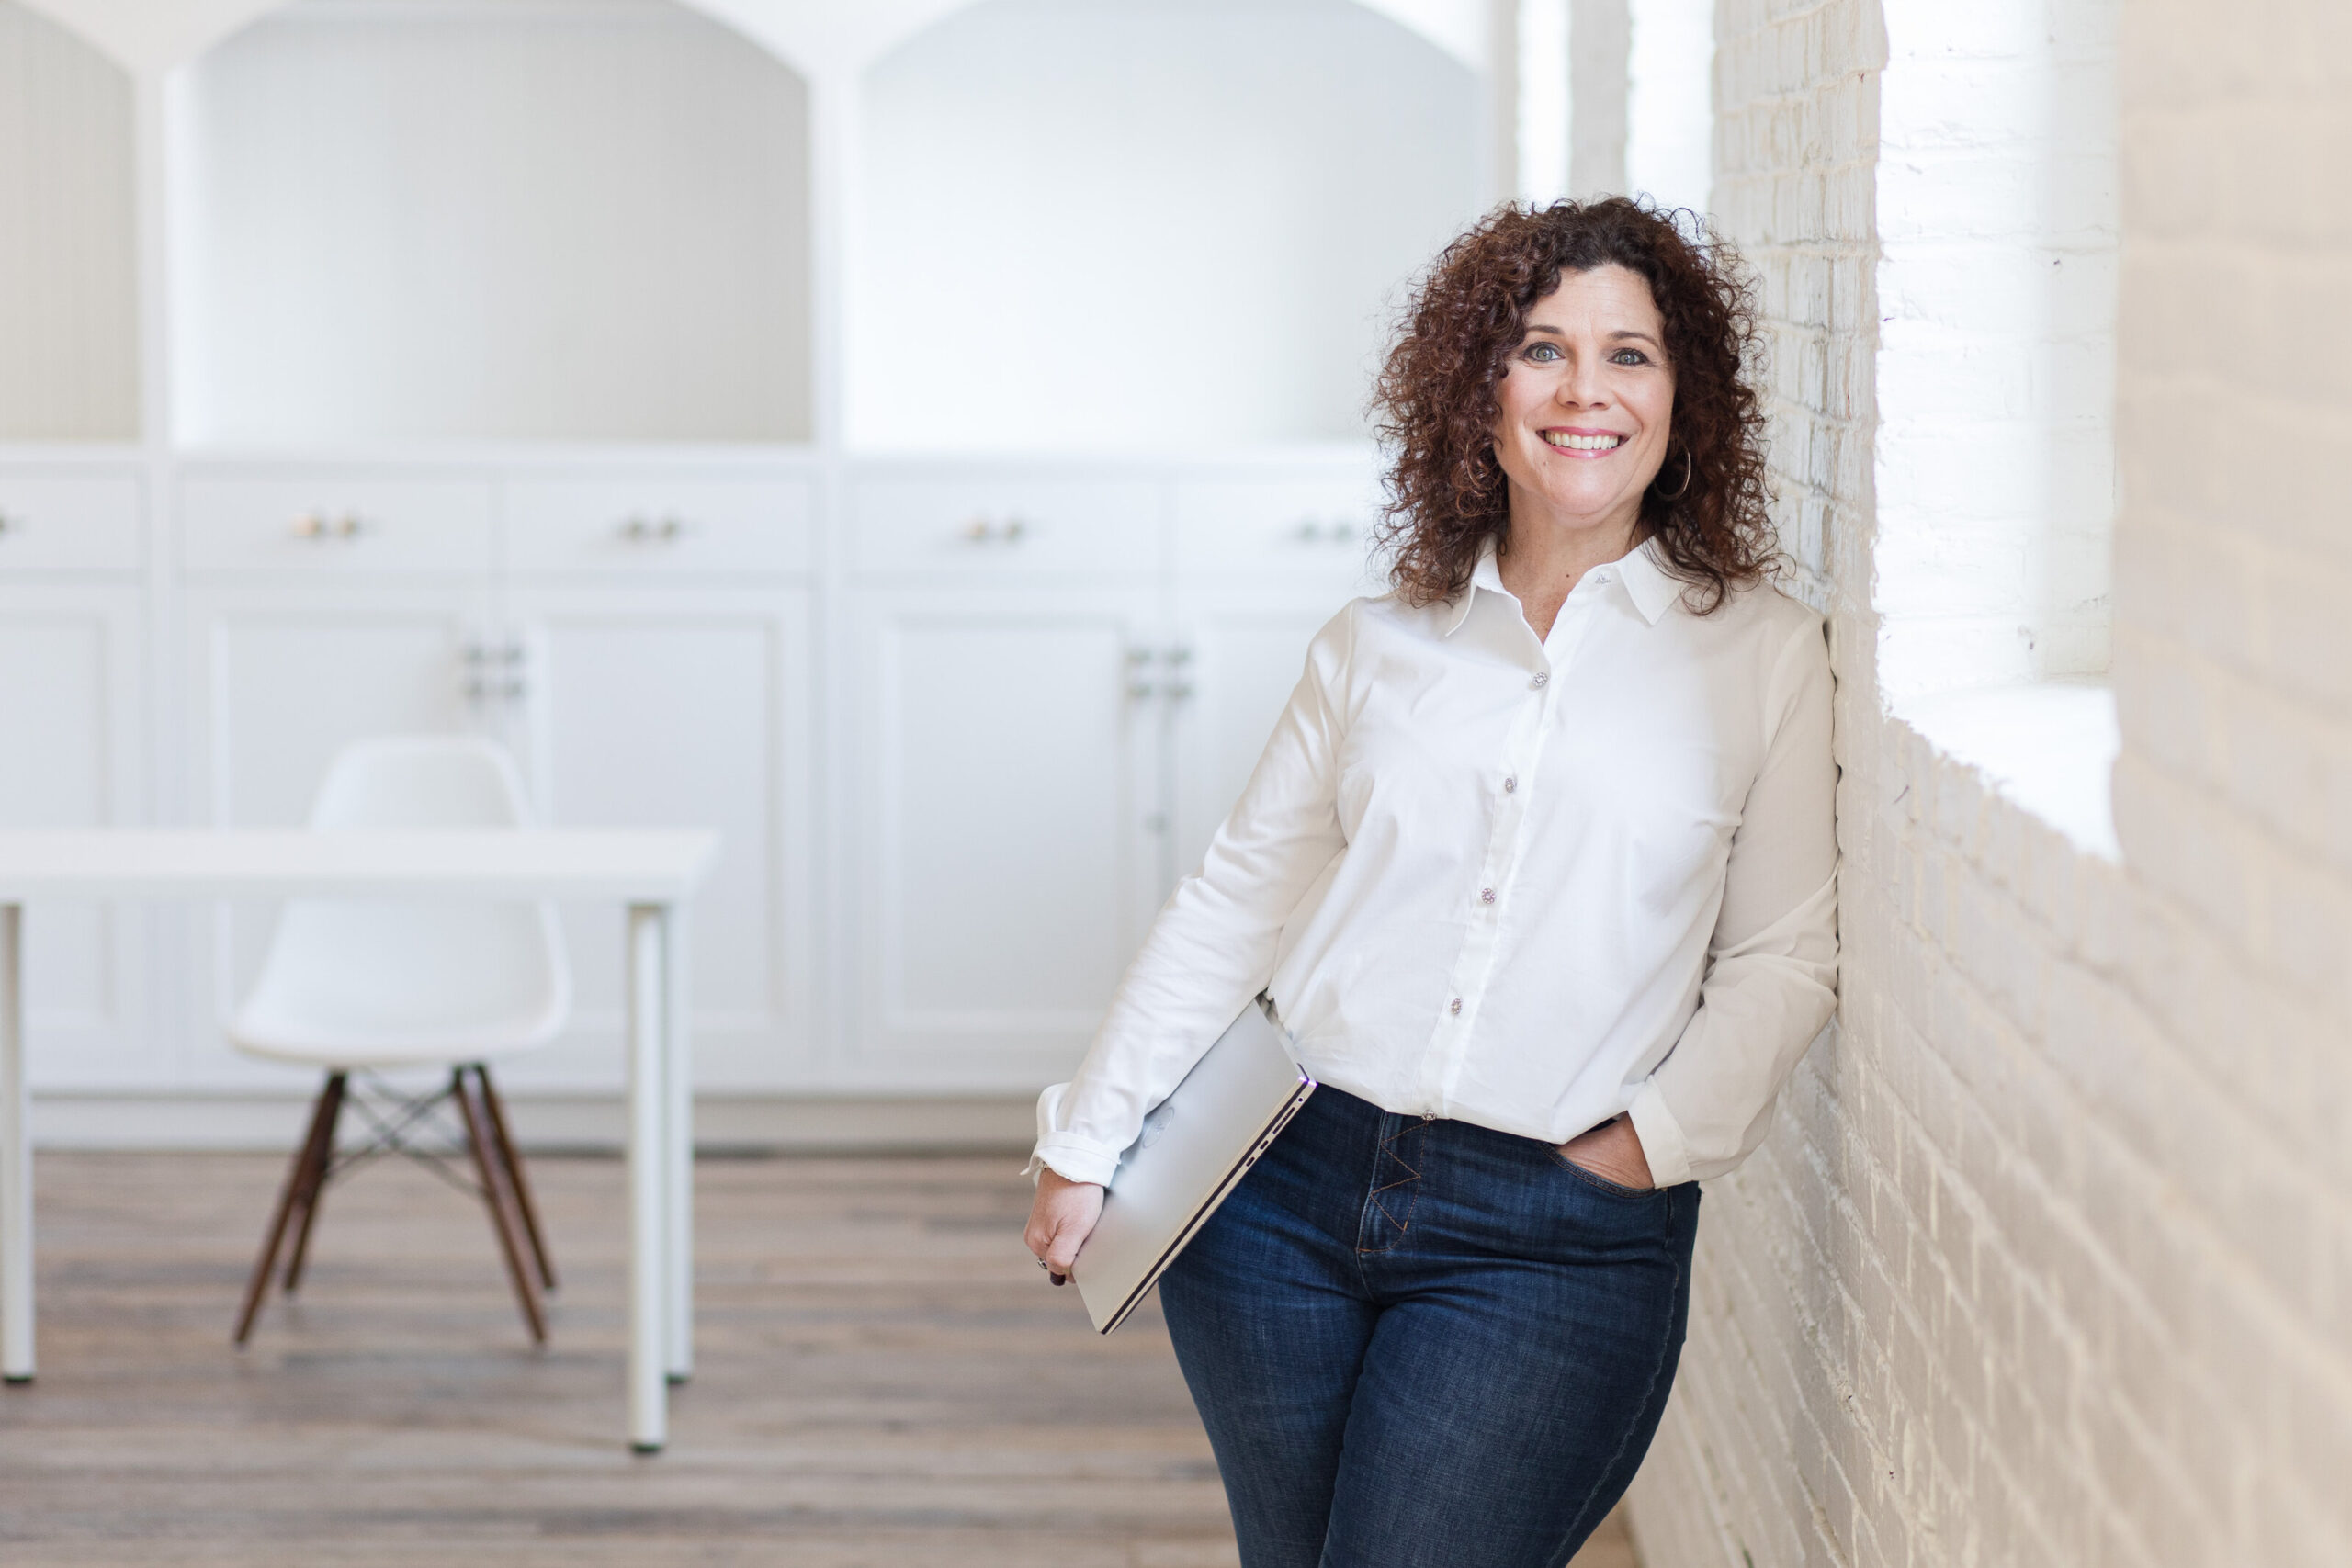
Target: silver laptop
(1195,1148)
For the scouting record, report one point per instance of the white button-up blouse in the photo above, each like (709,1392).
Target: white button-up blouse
(1527,884)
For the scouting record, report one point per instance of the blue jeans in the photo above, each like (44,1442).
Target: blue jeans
(1425,1343)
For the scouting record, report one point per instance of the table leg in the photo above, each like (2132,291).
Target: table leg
(649,1116)
(678,1076)
(16,1158)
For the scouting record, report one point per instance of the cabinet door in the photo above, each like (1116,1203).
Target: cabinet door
(1242,651)
(278,682)
(1009,811)
(681,708)
(70,757)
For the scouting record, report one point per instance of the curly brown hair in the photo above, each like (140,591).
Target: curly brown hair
(1435,402)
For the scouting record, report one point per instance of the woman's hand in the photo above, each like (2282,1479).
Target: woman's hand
(1611,1151)
(1061,1221)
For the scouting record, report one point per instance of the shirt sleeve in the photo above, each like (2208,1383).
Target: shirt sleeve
(1772,961)
(1213,945)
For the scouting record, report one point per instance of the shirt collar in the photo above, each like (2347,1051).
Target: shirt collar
(1486,575)
(1647,582)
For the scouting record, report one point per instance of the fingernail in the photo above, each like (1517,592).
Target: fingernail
(1059,1279)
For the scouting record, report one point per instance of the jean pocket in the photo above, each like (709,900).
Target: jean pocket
(1593,1178)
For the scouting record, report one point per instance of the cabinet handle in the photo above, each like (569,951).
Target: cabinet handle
(318,526)
(647,530)
(1336,530)
(983,531)
(1173,685)
(10,525)
(496,670)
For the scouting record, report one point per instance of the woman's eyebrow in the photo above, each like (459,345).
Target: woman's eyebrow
(1625,332)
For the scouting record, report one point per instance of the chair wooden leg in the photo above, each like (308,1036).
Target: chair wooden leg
(322,1160)
(504,1144)
(296,1179)
(494,1193)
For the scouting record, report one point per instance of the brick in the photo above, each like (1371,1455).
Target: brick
(2052,1259)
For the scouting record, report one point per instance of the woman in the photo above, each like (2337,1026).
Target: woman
(1539,870)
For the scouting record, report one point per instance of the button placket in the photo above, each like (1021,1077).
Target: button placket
(1449,1046)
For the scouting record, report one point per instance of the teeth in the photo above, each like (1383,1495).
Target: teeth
(1584,443)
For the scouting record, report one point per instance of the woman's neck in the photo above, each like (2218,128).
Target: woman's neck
(1541,561)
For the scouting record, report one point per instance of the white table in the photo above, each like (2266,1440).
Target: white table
(653,872)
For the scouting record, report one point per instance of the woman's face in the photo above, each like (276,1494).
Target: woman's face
(1587,399)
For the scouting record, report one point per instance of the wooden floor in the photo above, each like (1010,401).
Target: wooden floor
(884,1379)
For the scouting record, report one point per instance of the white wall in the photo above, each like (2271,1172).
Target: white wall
(2047,1259)
(1996,385)
(69,314)
(1599,40)
(1669,120)
(1545,141)
(584,219)
(1144,226)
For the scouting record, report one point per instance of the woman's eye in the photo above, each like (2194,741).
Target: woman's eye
(1542,353)
(1630,357)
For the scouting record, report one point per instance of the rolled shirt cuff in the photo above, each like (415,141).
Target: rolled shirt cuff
(1663,1145)
(1074,1159)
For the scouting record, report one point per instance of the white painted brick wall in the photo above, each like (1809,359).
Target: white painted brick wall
(2048,1257)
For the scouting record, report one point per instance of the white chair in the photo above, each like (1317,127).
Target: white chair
(355,987)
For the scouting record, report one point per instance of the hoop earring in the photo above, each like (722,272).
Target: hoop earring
(1685,488)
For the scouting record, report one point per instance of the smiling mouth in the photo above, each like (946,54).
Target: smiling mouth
(1572,441)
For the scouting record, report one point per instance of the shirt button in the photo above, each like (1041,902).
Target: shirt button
(1511,784)
(1540,680)
(1486,895)
(1455,1006)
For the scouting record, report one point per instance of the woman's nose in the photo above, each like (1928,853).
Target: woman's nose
(1581,389)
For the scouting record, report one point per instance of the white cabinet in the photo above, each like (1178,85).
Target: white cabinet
(1308,530)
(336,524)
(1008,811)
(666,706)
(277,682)
(664,526)
(1040,752)
(79,522)
(987,526)
(71,757)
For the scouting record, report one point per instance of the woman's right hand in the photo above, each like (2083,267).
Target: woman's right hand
(1061,1221)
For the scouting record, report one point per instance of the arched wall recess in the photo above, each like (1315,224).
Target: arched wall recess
(1147,227)
(860,34)
(153,36)
(69,311)
(471,222)
(148,37)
